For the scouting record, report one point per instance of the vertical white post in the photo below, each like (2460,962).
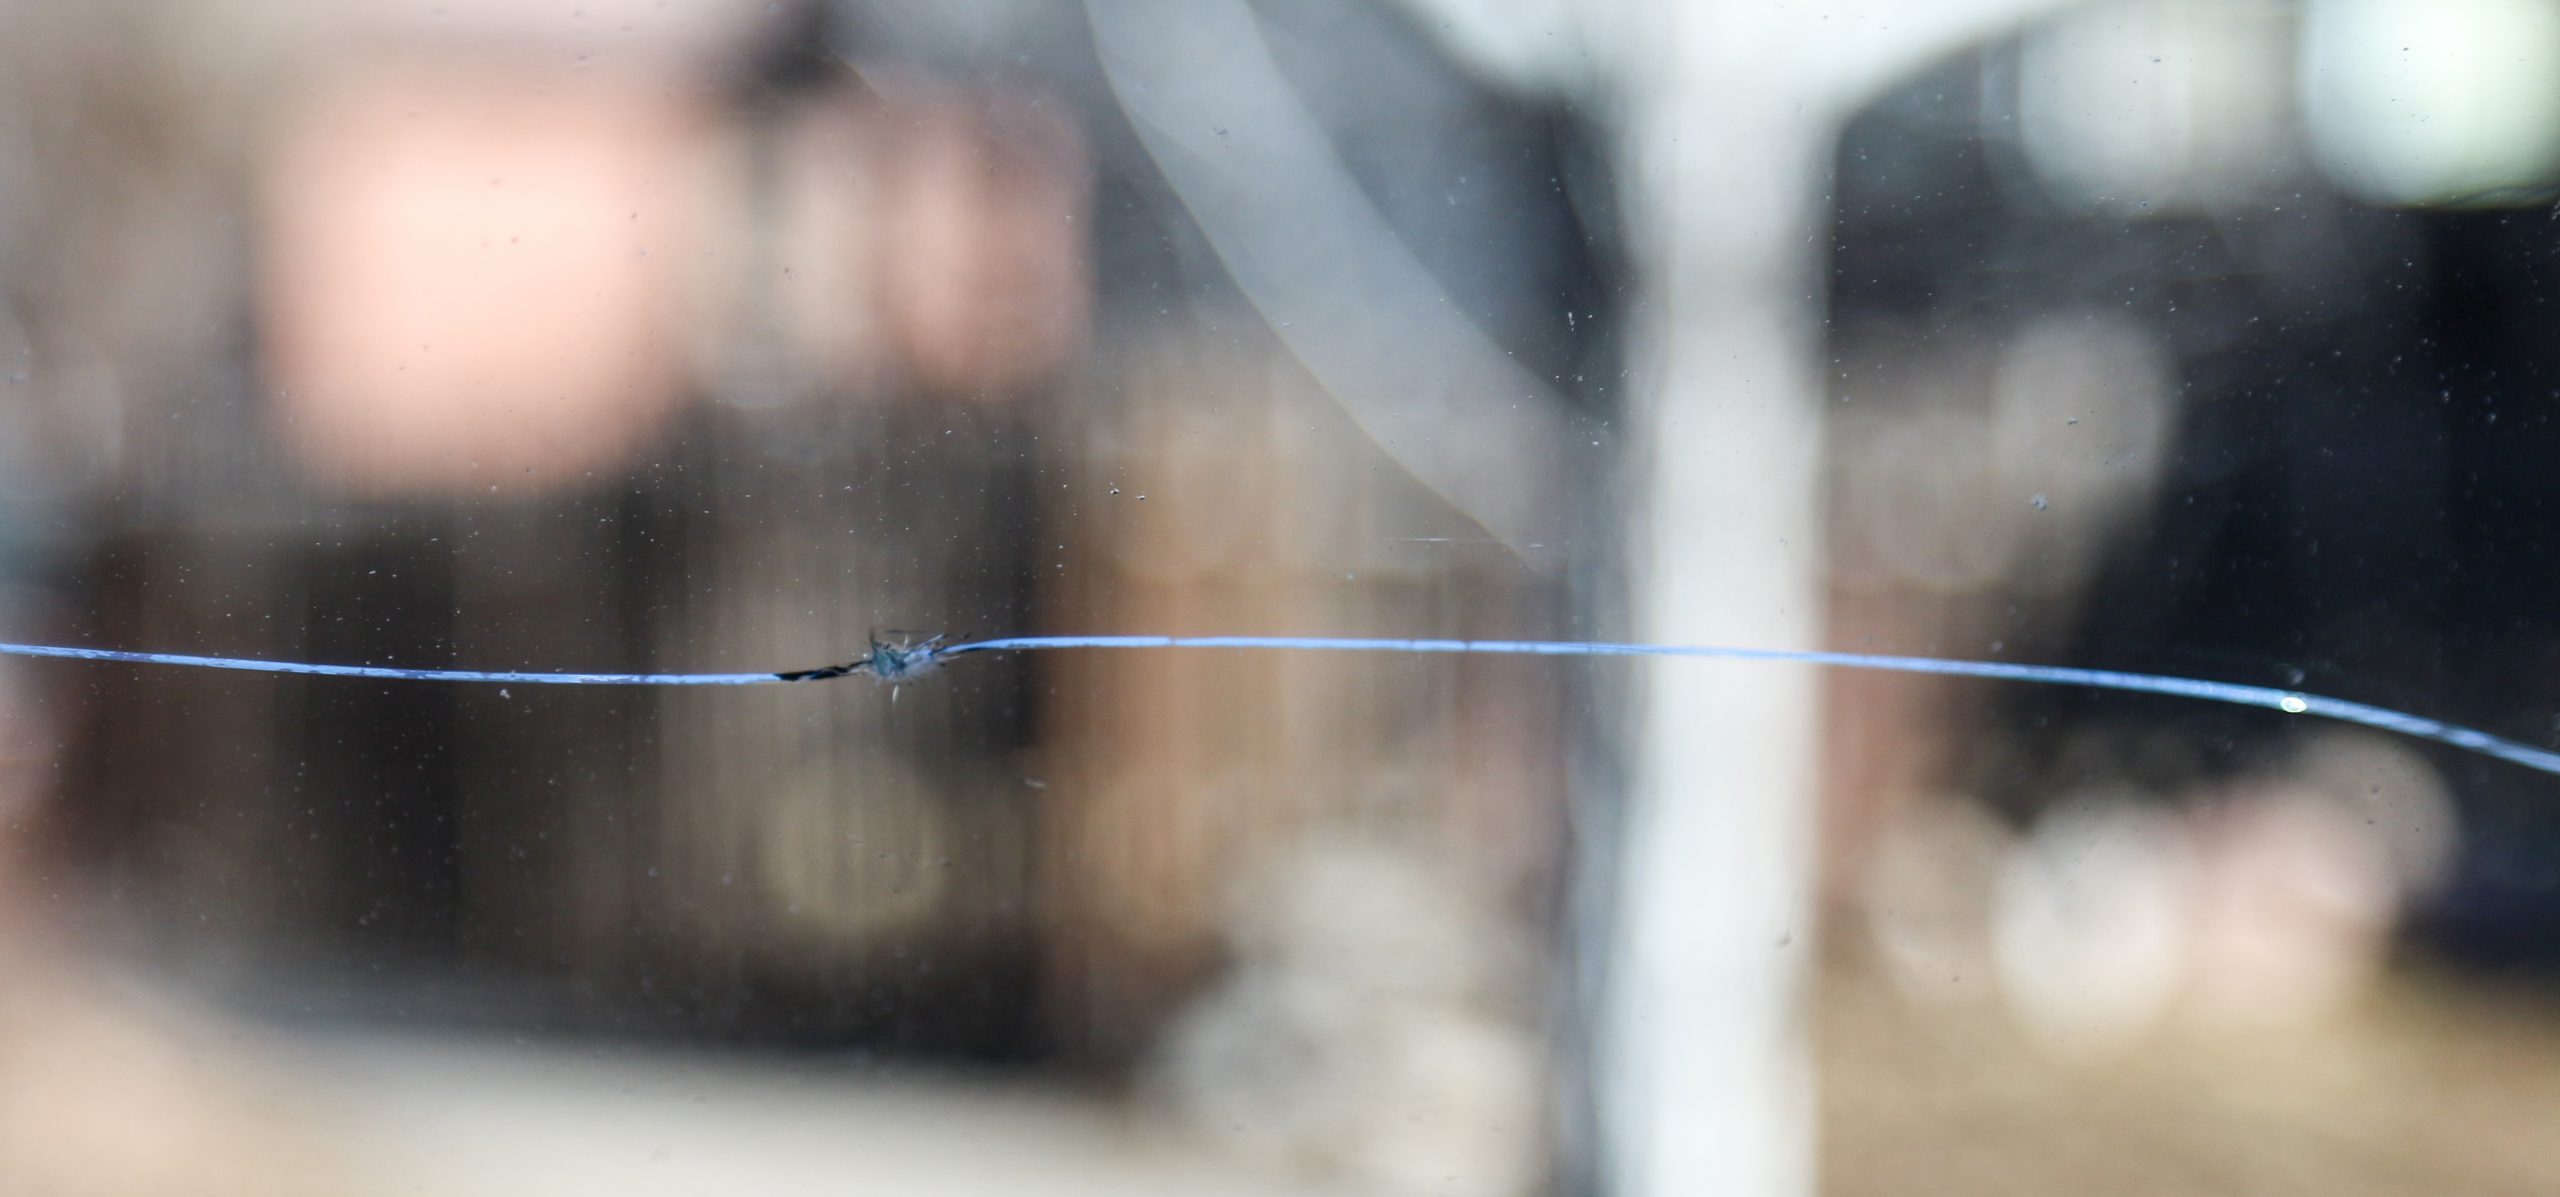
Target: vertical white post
(1707,1088)
(1732,112)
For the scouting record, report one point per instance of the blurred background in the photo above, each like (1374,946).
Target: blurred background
(2189,337)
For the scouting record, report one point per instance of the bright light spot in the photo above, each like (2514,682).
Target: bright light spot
(2157,106)
(2434,101)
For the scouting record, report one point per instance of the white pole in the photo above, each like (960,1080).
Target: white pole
(1732,111)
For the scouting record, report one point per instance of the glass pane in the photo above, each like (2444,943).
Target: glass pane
(1332,597)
